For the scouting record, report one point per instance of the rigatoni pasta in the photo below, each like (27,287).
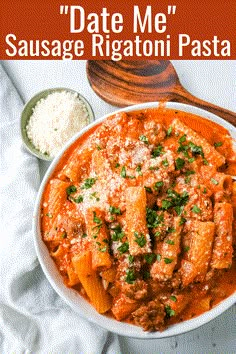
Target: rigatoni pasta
(139,217)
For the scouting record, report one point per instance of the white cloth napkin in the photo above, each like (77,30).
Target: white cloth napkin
(33,318)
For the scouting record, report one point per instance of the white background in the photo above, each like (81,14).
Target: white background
(213,81)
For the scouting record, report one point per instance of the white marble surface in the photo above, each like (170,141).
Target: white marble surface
(213,81)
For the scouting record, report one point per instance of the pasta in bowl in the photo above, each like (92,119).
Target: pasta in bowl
(135,220)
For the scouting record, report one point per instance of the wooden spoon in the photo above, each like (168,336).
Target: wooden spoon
(123,83)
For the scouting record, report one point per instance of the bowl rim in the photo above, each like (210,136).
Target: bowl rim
(36,98)
(73,298)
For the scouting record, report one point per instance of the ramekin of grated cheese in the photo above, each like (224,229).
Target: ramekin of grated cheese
(51,118)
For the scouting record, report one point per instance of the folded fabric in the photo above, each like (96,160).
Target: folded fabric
(33,318)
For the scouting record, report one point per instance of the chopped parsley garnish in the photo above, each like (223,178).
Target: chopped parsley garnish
(196,150)
(98,147)
(117,233)
(123,248)
(173,298)
(179,163)
(96,219)
(70,190)
(182,221)
(84,235)
(214,181)
(196,209)
(49,215)
(149,258)
(148,189)
(103,249)
(130,258)
(190,172)
(117,165)
(186,248)
(179,209)
(218,144)
(168,260)
(158,185)
(130,276)
(165,163)
(144,139)
(153,168)
(204,190)
(182,139)
(157,151)
(170,242)
(175,200)
(78,199)
(139,170)
(140,239)
(88,183)
(169,131)
(158,257)
(191,159)
(153,219)
(170,230)
(169,311)
(114,210)
(205,162)
(123,172)
(157,234)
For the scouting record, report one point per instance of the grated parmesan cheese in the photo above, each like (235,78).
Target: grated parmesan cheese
(55,120)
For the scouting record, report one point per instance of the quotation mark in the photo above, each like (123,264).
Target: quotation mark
(64,9)
(171,9)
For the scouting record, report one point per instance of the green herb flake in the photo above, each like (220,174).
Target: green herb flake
(84,235)
(130,258)
(205,162)
(117,165)
(191,159)
(196,209)
(98,147)
(78,199)
(123,248)
(190,172)
(70,190)
(157,151)
(165,163)
(130,276)
(139,170)
(214,181)
(218,144)
(96,219)
(169,131)
(158,257)
(140,239)
(153,168)
(204,190)
(179,163)
(144,139)
(49,215)
(182,221)
(169,242)
(186,248)
(148,189)
(182,139)
(169,311)
(166,204)
(170,230)
(123,172)
(168,260)
(158,185)
(173,298)
(114,210)
(153,219)
(149,258)
(88,183)
(117,233)
(157,234)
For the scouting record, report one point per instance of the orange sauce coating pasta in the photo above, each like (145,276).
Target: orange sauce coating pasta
(136,209)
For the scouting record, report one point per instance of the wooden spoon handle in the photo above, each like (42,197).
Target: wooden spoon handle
(182,95)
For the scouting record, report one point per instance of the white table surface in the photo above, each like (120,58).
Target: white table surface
(213,81)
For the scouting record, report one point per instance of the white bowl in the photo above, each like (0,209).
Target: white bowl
(77,302)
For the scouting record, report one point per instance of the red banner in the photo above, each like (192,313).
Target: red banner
(118,30)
